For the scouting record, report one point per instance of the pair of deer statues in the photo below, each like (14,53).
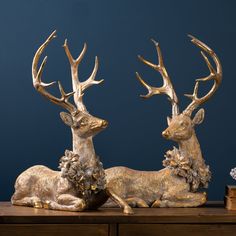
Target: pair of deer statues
(82,183)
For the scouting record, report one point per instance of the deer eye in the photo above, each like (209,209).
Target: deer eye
(83,121)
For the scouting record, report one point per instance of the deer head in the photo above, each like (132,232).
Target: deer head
(81,122)
(181,125)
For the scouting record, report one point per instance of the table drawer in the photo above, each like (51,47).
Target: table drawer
(177,229)
(53,229)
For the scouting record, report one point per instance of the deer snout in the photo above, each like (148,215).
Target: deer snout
(166,134)
(104,123)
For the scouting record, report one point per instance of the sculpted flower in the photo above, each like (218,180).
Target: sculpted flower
(86,178)
(183,166)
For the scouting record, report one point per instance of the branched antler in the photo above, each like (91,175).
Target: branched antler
(215,75)
(80,87)
(167,87)
(41,86)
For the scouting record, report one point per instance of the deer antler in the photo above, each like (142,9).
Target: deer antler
(41,86)
(215,75)
(167,87)
(80,87)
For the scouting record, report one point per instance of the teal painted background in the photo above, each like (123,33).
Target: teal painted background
(31,131)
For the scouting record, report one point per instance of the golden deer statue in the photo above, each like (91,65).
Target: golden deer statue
(81,183)
(185,170)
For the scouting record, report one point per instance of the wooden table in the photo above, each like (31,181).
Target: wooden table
(212,219)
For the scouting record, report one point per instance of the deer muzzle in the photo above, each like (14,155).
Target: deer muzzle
(166,134)
(104,123)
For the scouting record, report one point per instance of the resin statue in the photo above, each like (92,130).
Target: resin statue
(185,170)
(81,183)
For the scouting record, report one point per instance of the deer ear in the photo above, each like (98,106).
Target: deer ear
(199,117)
(168,120)
(66,118)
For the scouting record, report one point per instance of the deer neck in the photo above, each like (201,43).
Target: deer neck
(191,148)
(84,148)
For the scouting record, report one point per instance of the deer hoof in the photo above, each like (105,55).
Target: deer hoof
(128,210)
(80,205)
(46,204)
(157,203)
(204,198)
(38,205)
(143,205)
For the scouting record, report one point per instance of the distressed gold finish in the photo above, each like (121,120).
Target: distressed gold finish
(81,182)
(185,171)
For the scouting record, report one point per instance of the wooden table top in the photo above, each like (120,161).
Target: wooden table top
(213,212)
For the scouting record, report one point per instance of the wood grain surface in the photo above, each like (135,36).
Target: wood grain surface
(212,213)
(212,219)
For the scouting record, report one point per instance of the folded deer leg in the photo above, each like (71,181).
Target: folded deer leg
(187,199)
(122,203)
(27,201)
(77,204)
(67,202)
(136,202)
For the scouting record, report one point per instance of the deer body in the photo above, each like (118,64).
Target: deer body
(81,182)
(185,170)
(49,196)
(166,187)
(42,187)
(142,188)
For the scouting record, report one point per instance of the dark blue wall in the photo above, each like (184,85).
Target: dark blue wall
(31,130)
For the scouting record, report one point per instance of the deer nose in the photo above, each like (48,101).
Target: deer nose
(165,133)
(104,123)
